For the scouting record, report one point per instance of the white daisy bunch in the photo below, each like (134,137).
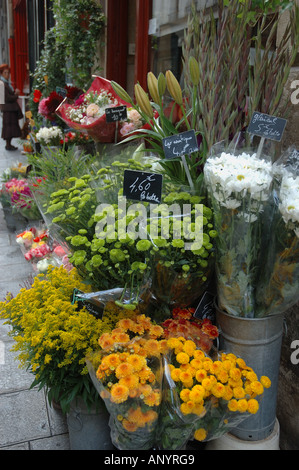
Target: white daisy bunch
(278,288)
(289,201)
(240,190)
(49,136)
(232,179)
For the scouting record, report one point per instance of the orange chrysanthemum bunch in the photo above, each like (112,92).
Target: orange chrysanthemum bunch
(184,324)
(212,393)
(130,375)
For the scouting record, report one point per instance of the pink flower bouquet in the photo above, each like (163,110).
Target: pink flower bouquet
(87,113)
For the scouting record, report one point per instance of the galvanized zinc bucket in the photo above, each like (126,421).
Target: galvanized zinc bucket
(89,428)
(257,341)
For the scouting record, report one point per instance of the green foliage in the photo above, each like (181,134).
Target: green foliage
(232,85)
(78,28)
(52,65)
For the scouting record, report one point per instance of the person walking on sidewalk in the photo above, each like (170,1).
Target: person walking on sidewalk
(10,109)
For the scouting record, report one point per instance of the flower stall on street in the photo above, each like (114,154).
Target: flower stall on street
(166,258)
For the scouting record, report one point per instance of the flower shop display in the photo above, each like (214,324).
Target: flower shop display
(87,113)
(53,338)
(161,392)
(127,373)
(109,259)
(204,397)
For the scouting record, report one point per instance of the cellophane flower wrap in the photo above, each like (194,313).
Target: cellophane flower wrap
(128,377)
(182,255)
(204,397)
(41,249)
(239,185)
(278,288)
(18,193)
(87,113)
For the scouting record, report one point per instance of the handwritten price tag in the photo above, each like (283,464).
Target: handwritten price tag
(141,186)
(178,145)
(116,114)
(266,126)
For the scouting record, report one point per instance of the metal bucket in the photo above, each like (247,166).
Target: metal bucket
(89,429)
(257,341)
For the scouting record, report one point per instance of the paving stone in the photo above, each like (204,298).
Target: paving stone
(12,377)
(60,442)
(4,239)
(57,420)
(17,272)
(21,446)
(12,255)
(23,417)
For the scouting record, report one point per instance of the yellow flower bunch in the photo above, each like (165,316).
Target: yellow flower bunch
(204,384)
(52,336)
(129,372)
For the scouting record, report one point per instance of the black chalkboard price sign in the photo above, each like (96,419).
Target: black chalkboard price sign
(178,145)
(267,127)
(205,308)
(119,113)
(142,186)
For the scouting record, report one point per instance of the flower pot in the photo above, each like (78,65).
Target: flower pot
(89,429)
(48,151)
(257,341)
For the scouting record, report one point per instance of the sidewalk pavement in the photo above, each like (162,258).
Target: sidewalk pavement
(27,422)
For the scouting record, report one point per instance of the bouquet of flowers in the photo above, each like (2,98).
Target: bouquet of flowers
(47,105)
(181,266)
(183,324)
(18,194)
(87,113)
(53,338)
(161,117)
(278,283)
(77,138)
(240,189)
(128,376)
(50,136)
(203,398)
(41,250)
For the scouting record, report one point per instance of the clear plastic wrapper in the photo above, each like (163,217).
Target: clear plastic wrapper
(127,374)
(278,287)
(41,249)
(203,398)
(239,185)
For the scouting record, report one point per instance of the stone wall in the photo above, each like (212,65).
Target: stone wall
(288,387)
(291,94)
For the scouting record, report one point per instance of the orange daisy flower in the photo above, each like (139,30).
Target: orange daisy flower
(128,426)
(119,393)
(123,370)
(137,362)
